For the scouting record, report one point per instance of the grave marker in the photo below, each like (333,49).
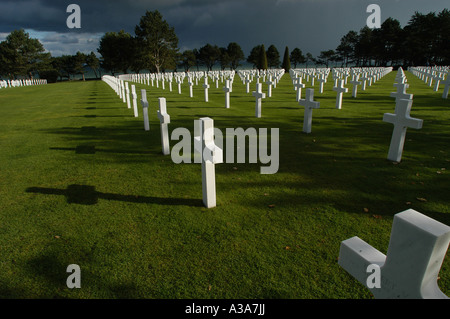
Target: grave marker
(227,89)
(309,105)
(417,248)
(144,103)
(355,83)
(127,90)
(164,120)
(401,120)
(206,87)
(298,87)
(258,94)
(340,91)
(269,86)
(134,96)
(211,155)
(447,86)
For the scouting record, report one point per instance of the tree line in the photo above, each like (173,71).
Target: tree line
(425,40)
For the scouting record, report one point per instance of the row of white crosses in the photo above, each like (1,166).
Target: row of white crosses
(273,77)
(401,118)
(19,83)
(247,76)
(417,246)
(358,76)
(205,148)
(440,75)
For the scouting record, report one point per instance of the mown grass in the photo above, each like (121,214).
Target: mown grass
(81,182)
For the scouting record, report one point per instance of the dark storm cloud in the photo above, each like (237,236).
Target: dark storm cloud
(312,25)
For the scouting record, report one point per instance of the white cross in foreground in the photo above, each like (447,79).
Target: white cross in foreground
(401,120)
(309,105)
(258,95)
(134,95)
(340,89)
(417,248)
(227,90)
(144,103)
(164,120)
(211,155)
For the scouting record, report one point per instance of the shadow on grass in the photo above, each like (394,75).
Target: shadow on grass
(91,149)
(87,195)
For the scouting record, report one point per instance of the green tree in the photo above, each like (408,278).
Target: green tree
(297,57)
(21,55)
(94,63)
(262,60)
(64,65)
(188,60)
(224,59)
(387,42)
(116,49)
(158,41)
(309,57)
(364,47)
(79,64)
(208,55)
(442,47)
(236,55)
(286,65)
(346,48)
(254,56)
(325,57)
(273,57)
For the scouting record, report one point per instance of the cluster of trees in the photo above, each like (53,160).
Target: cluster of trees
(425,40)
(22,56)
(154,47)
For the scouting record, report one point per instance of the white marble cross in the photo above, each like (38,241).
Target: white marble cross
(400,76)
(247,83)
(322,81)
(144,103)
(364,78)
(309,105)
(438,77)
(401,93)
(124,99)
(401,120)
(447,86)
(355,83)
(269,83)
(179,85)
(170,83)
(191,84)
(340,89)
(206,87)
(298,87)
(134,96)
(417,248)
(258,94)
(164,120)
(210,155)
(119,88)
(127,90)
(227,90)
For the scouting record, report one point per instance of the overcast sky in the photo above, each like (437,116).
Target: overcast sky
(311,25)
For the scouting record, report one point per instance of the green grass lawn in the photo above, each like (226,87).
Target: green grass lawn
(81,182)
